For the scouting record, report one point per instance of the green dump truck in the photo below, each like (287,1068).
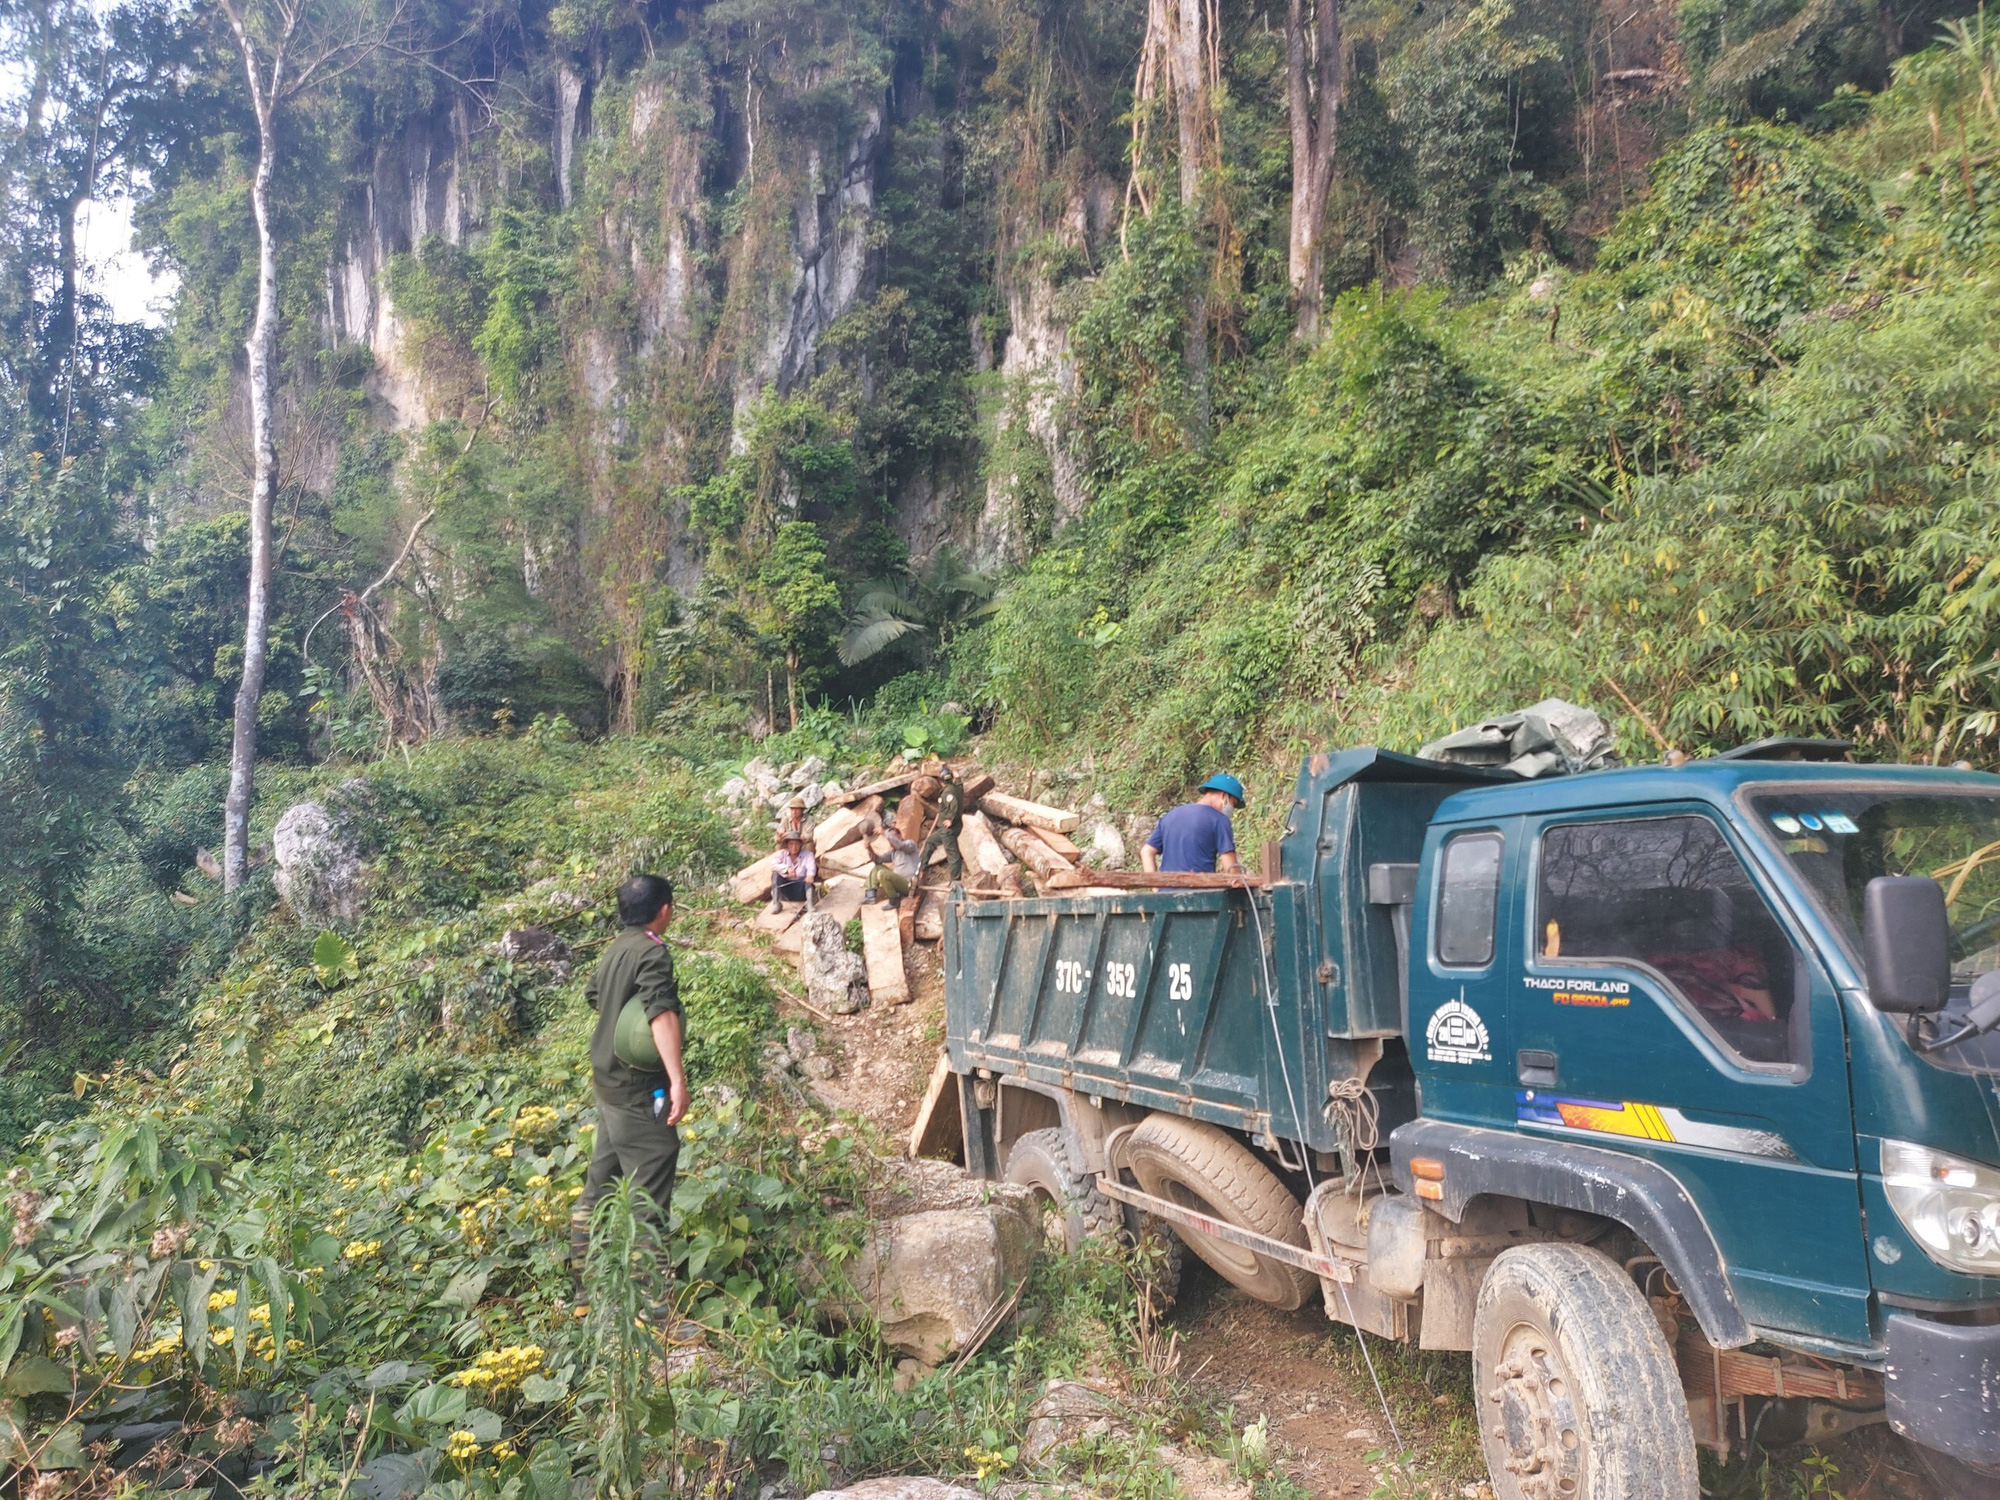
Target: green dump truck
(1671,1093)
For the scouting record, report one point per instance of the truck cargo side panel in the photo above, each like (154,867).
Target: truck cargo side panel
(1154,998)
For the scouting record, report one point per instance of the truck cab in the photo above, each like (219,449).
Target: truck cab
(1671,964)
(1670,1093)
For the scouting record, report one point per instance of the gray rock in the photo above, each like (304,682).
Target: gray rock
(319,868)
(931,1277)
(1107,846)
(800,1042)
(735,789)
(898,1489)
(819,1069)
(806,771)
(836,980)
(537,945)
(1067,1413)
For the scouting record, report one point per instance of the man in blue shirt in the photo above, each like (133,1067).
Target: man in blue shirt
(1198,835)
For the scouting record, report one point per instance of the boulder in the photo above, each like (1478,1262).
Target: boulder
(1107,847)
(806,771)
(537,945)
(932,1274)
(836,980)
(319,868)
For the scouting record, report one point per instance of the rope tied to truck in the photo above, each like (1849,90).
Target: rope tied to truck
(1353,1111)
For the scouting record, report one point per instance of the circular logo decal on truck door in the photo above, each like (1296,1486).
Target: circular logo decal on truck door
(1457,1035)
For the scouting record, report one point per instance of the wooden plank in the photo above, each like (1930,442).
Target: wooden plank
(1060,842)
(906,921)
(843,898)
(882,948)
(981,849)
(874,788)
(1027,814)
(776,922)
(753,882)
(939,1131)
(845,825)
(1032,852)
(918,807)
(1164,880)
(930,917)
(976,784)
(845,861)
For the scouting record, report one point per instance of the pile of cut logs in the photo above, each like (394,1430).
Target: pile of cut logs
(1011,848)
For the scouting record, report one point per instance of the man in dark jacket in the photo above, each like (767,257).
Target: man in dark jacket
(637,1108)
(950,820)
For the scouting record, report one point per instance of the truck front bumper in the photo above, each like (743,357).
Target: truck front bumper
(1943,1385)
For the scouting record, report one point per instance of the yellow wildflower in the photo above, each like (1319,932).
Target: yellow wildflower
(222,1338)
(360,1250)
(539,1180)
(461,1447)
(504,1152)
(217,1301)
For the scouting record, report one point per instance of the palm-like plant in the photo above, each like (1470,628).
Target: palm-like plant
(942,598)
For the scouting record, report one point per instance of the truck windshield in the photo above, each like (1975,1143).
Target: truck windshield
(1840,839)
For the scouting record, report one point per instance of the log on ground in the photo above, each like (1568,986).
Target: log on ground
(1032,852)
(981,849)
(1026,814)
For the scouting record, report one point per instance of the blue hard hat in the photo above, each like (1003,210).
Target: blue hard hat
(1222,781)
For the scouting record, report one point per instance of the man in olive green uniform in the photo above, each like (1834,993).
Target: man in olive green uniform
(950,818)
(637,1109)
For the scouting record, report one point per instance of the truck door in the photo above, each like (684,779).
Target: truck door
(1667,1008)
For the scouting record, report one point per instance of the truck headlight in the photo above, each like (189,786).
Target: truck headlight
(1951,1206)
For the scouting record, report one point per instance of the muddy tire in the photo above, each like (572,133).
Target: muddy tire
(1578,1395)
(1072,1207)
(1201,1167)
(1956,1478)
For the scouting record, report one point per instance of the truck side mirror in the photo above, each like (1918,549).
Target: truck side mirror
(1906,944)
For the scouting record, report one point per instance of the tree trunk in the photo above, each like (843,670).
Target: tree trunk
(1313,83)
(263,353)
(1190,111)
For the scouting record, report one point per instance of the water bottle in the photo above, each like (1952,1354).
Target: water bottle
(659,1103)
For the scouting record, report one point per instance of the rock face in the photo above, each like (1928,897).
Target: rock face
(319,869)
(836,980)
(931,1273)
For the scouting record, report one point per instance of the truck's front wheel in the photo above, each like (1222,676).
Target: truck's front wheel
(1578,1395)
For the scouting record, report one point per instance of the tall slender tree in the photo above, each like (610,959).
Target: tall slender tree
(1312,86)
(289,49)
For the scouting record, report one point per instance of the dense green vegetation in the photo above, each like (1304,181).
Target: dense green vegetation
(1657,370)
(324,1221)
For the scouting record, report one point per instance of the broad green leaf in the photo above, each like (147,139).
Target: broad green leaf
(484,1424)
(37,1375)
(333,959)
(272,1275)
(434,1403)
(61,1449)
(548,1470)
(123,1317)
(538,1389)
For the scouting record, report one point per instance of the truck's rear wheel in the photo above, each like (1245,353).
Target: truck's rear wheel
(1201,1167)
(1072,1207)
(1579,1398)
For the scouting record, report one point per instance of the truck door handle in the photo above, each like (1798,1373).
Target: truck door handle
(1534,1066)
